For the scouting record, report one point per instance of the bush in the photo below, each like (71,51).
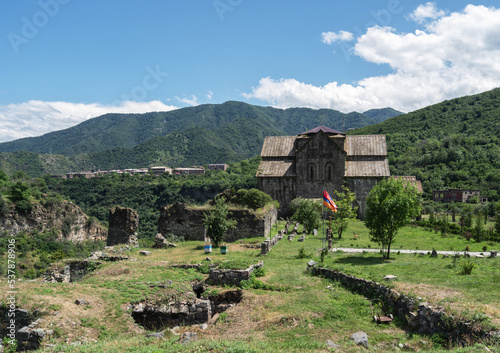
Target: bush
(259,272)
(252,198)
(466,267)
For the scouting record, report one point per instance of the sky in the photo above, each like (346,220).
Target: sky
(65,61)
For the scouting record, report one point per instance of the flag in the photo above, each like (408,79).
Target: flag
(328,202)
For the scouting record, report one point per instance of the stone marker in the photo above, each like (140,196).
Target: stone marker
(360,338)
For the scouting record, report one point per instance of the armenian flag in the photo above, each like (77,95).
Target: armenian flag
(328,202)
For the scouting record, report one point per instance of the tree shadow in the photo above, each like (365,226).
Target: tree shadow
(362,260)
(198,247)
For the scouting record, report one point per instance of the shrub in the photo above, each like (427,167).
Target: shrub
(302,253)
(259,272)
(466,267)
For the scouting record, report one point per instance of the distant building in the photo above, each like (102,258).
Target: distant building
(86,175)
(189,171)
(457,195)
(218,166)
(160,170)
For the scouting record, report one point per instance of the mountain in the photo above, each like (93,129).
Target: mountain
(210,133)
(129,130)
(453,144)
(380,115)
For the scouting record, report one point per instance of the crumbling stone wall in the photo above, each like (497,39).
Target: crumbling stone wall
(123,226)
(73,271)
(232,277)
(181,220)
(153,316)
(421,317)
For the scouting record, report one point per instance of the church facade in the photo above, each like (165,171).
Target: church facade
(321,159)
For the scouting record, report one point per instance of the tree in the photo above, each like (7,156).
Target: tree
(20,194)
(308,213)
(217,221)
(391,205)
(344,201)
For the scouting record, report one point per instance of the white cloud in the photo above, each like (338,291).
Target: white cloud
(209,95)
(193,100)
(427,11)
(35,118)
(332,37)
(452,56)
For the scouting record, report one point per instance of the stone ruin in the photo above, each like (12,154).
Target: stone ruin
(123,226)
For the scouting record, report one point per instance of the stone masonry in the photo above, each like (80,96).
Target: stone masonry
(123,226)
(182,220)
(420,316)
(233,277)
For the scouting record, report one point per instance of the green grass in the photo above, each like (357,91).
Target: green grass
(295,313)
(411,238)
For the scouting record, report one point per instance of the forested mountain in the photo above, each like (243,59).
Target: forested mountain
(455,143)
(210,133)
(129,130)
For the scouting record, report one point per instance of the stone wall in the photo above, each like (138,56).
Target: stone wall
(123,226)
(420,317)
(155,317)
(232,277)
(181,220)
(268,244)
(71,272)
(361,187)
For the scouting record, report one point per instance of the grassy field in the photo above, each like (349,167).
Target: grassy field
(299,315)
(411,238)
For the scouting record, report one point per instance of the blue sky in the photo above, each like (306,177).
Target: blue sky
(64,61)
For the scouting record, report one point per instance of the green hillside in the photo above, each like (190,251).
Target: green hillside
(200,135)
(129,130)
(455,143)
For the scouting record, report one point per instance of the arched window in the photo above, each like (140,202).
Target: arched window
(311,173)
(329,172)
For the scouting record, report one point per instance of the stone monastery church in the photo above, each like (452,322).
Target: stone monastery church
(322,159)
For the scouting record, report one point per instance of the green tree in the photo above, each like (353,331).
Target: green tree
(497,220)
(252,198)
(391,205)
(344,200)
(478,230)
(20,194)
(217,221)
(308,213)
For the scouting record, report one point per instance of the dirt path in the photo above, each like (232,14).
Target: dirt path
(424,252)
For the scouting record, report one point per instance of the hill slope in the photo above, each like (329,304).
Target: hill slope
(129,130)
(199,135)
(455,143)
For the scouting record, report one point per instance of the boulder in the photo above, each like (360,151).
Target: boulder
(360,338)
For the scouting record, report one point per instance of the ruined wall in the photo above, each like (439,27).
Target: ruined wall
(182,220)
(361,187)
(123,226)
(281,189)
(421,317)
(67,219)
(231,277)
